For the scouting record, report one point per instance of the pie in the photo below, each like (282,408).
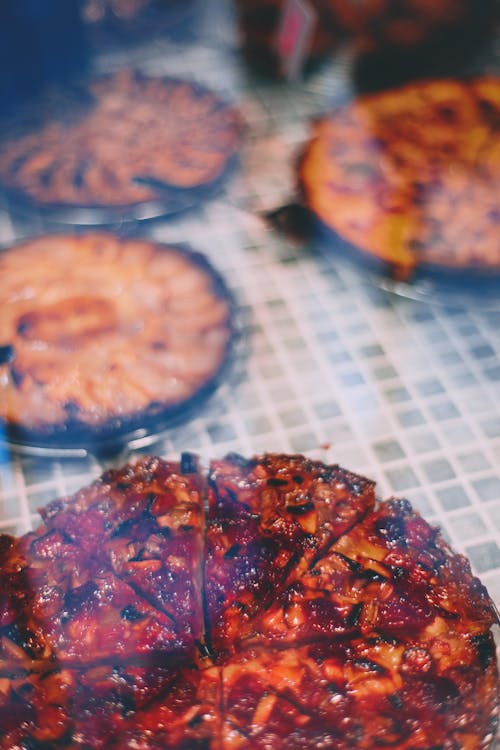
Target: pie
(270,602)
(122,140)
(102,336)
(411,176)
(406,25)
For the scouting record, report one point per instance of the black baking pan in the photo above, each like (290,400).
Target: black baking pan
(122,428)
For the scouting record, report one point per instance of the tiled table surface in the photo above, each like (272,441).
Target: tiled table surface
(405,391)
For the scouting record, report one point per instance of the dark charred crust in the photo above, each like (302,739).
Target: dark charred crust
(485,646)
(393,529)
(131,614)
(7,354)
(353,618)
(189,463)
(25,639)
(300,510)
(238,460)
(396,701)
(369,666)
(233,552)
(76,598)
(276,482)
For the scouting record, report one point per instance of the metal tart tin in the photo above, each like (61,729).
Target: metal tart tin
(72,102)
(139,429)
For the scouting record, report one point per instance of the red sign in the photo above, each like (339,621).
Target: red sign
(294,36)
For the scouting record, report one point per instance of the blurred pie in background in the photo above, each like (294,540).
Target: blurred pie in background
(101,336)
(124,140)
(369,27)
(411,176)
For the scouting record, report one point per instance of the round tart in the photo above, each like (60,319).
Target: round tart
(125,140)
(411,176)
(271,603)
(102,336)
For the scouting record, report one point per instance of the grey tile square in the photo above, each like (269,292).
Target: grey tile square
(327,409)
(464,379)
(458,433)
(328,337)
(38,470)
(421,314)
(402,478)
(436,336)
(284,325)
(423,442)
(484,556)
(303,363)
(292,417)
(271,369)
(388,450)
(430,387)
(438,470)
(473,461)
(221,433)
(421,503)
(487,488)
(384,372)
(494,515)
(276,304)
(258,425)
(476,402)
(443,411)
(493,373)
(491,427)
(452,498)
(296,343)
(307,441)
(371,350)
(468,329)
(450,357)
(351,379)
(411,418)
(339,357)
(355,329)
(247,398)
(466,525)
(9,505)
(397,395)
(482,351)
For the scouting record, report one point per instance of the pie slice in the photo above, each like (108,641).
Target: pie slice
(360,693)
(37,572)
(390,573)
(60,607)
(76,708)
(269,518)
(413,574)
(145,523)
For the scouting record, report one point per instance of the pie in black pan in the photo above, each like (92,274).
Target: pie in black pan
(272,602)
(411,176)
(123,141)
(102,336)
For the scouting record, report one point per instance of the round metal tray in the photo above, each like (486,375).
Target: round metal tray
(143,428)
